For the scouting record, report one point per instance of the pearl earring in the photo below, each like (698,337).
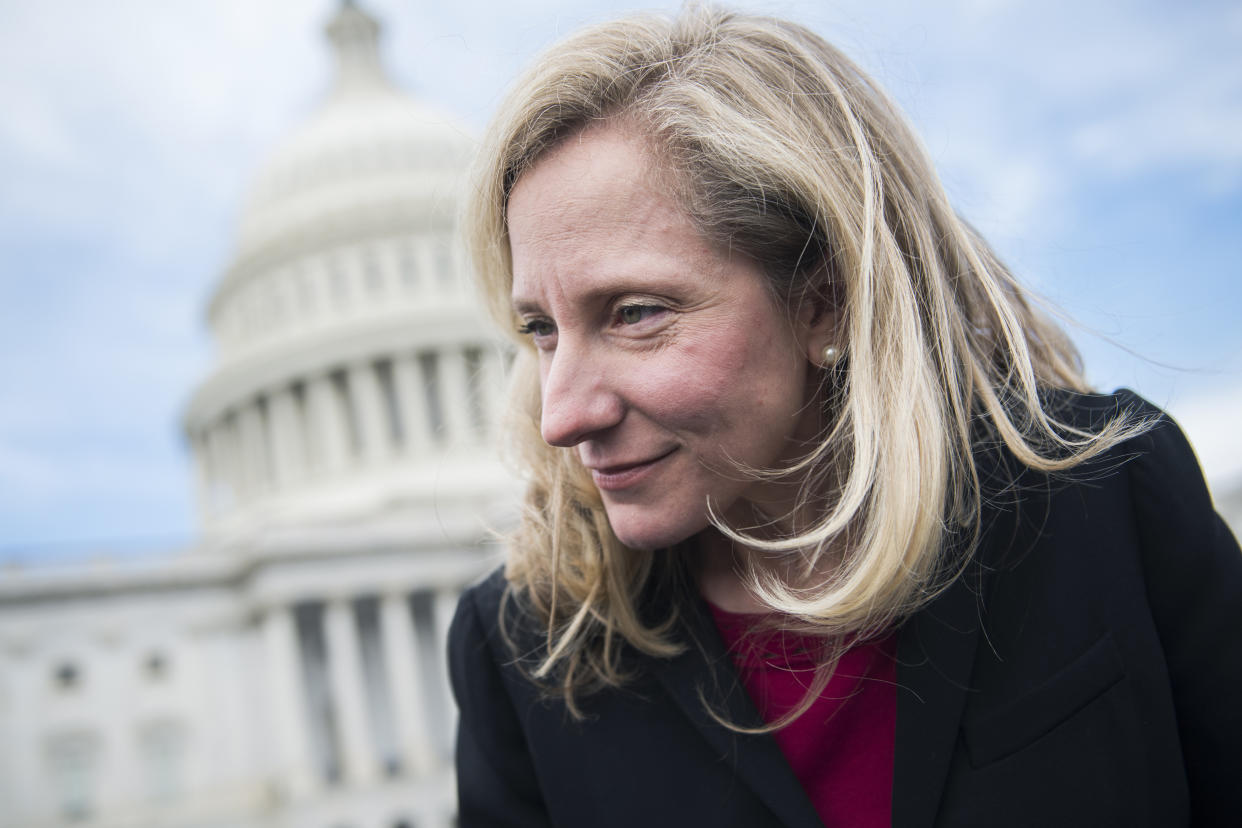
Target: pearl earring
(830,356)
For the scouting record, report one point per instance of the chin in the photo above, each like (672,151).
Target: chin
(648,533)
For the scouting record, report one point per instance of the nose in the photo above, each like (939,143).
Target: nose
(579,398)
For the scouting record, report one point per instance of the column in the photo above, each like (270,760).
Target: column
(365,389)
(348,694)
(285,438)
(287,701)
(493,384)
(314,290)
(328,428)
(444,607)
(413,402)
(203,475)
(446,264)
(253,448)
(223,484)
(455,386)
(400,658)
(236,459)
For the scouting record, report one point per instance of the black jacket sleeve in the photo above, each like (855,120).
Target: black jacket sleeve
(496,781)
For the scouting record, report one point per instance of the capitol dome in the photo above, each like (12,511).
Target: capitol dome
(354,374)
(370,148)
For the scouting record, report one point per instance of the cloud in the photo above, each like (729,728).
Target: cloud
(1027,107)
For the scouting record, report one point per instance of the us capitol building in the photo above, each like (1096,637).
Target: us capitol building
(288,670)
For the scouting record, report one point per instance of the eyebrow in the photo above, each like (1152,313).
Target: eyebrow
(526,306)
(597,293)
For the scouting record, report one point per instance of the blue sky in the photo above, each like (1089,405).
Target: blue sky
(1098,145)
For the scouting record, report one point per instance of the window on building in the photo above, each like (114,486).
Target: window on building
(373,273)
(162,748)
(444,261)
(339,282)
(276,299)
(305,289)
(155,666)
(73,766)
(67,675)
(409,267)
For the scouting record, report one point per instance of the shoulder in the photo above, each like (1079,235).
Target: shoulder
(1092,411)
(491,633)
(1111,599)
(1151,480)
(470,633)
(1156,456)
(1162,469)
(1138,514)
(1192,561)
(482,598)
(1021,504)
(497,781)
(1157,466)
(476,631)
(487,671)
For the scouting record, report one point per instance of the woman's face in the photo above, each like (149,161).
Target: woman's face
(664,360)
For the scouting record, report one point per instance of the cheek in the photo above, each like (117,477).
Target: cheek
(680,391)
(716,383)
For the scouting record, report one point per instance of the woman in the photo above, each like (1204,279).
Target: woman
(822,524)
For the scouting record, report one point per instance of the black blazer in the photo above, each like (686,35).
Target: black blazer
(1085,670)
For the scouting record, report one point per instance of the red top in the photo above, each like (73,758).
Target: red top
(841,748)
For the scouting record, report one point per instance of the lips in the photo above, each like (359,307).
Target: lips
(624,475)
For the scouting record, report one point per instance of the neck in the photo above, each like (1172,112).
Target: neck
(718,570)
(721,568)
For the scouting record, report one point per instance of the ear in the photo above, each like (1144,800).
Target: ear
(819,326)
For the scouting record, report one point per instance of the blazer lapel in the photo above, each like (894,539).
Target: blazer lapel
(935,655)
(936,647)
(757,759)
(935,652)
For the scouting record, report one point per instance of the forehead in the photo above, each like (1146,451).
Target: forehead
(595,209)
(599,173)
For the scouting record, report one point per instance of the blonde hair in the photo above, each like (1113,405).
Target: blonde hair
(781,148)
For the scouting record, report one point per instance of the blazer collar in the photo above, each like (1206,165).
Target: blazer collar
(936,647)
(756,759)
(935,652)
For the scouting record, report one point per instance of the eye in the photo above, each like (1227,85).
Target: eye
(537,328)
(633,314)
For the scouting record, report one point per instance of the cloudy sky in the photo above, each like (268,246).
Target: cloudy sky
(1098,145)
